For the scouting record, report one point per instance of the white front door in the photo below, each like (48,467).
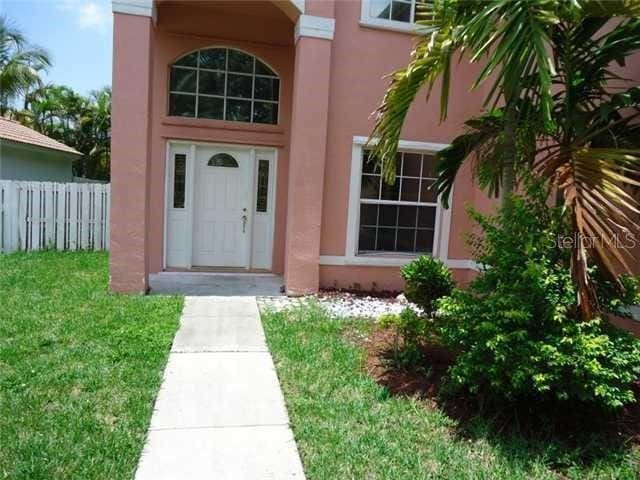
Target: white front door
(222,200)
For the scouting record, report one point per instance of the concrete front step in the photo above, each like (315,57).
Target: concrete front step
(219,284)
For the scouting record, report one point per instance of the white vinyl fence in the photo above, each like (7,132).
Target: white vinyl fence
(61,216)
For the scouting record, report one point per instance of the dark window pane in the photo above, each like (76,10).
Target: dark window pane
(410,189)
(240,62)
(388,215)
(399,164)
(211,83)
(239,86)
(427,217)
(182,105)
(427,194)
(267,88)
(411,165)
(214,58)
(222,160)
(390,192)
(263,186)
(369,164)
(262,69)
(265,112)
(368,214)
(370,186)
(386,239)
(238,110)
(190,60)
(179,173)
(401,11)
(406,237)
(367,239)
(210,107)
(424,241)
(407,216)
(183,80)
(429,166)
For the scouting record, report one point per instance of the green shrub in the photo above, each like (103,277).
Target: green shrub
(426,281)
(516,330)
(411,330)
(610,297)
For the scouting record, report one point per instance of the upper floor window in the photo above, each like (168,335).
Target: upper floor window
(224,84)
(395,14)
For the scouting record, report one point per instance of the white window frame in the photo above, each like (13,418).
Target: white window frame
(367,20)
(351,257)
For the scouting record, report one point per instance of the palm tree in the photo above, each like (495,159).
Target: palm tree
(78,121)
(95,125)
(582,128)
(20,64)
(590,152)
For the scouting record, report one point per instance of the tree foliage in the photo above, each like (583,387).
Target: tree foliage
(20,64)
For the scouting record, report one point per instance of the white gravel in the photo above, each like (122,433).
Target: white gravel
(341,304)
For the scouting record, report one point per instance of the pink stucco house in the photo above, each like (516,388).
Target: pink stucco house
(238,142)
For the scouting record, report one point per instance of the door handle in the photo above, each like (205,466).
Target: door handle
(244,220)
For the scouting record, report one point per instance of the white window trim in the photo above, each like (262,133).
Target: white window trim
(351,257)
(366,20)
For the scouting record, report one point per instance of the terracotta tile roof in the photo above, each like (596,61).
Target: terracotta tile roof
(15,132)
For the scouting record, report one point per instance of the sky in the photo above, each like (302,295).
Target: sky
(76,33)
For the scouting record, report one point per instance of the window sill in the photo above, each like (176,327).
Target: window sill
(398,27)
(394,261)
(379,260)
(221,124)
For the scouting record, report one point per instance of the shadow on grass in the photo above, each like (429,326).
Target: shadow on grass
(565,434)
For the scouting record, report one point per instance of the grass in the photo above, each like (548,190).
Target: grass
(79,367)
(349,427)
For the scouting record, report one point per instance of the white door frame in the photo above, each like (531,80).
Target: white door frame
(191,146)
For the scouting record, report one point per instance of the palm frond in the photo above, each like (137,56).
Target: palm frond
(482,133)
(596,184)
(429,60)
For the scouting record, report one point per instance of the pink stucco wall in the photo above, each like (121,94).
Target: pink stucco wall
(328,87)
(132,50)
(308,159)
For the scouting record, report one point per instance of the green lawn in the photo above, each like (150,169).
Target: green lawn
(349,427)
(79,367)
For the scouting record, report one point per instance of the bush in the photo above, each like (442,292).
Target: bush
(426,281)
(516,329)
(411,330)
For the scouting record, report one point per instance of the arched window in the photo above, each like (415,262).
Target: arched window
(224,84)
(222,160)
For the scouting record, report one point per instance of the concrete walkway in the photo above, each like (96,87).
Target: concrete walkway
(220,413)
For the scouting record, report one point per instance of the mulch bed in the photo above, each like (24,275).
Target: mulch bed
(425,381)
